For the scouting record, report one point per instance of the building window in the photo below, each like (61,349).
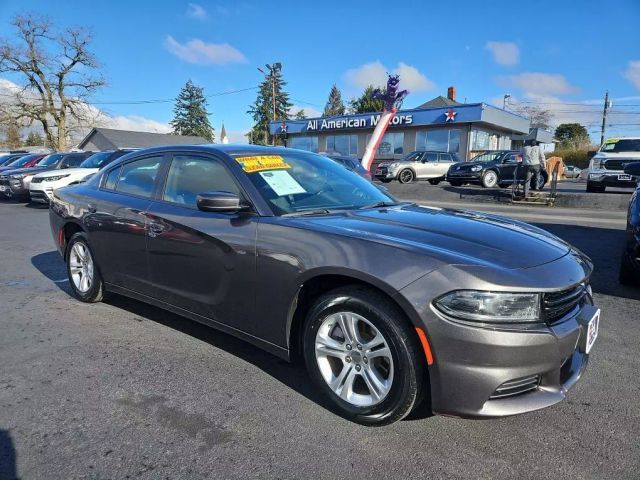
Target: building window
(303,143)
(392,143)
(343,144)
(441,139)
(479,140)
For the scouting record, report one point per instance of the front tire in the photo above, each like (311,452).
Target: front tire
(591,188)
(406,176)
(455,183)
(82,270)
(363,356)
(489,179)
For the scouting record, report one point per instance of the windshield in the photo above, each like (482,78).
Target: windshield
(299,181)
(97,160)
(19,162)
(413,156)
(622,145)
(50,159)
(6,159)
(486,157)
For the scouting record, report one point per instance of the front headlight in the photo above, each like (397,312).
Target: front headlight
(55,179)
(489,307)
(394,165)
(596,163)
(476,168)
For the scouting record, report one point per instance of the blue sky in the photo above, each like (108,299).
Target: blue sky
(546,52)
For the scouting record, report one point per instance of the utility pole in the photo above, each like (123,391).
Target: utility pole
(607,105)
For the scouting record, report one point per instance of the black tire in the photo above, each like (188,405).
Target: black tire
(408,381)
(406,176)
(503,185)
(627,275)
(455,183)
(489,179)
(595,188)
(385,180)
(434,181)
(95,293)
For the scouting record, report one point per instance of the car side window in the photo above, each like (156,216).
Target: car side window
(72,160)
(445,157)
(190,176)
(430,157)
(511,158)
(138,177)
(112,179)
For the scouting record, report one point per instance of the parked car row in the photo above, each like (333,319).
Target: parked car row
(33,177)
(496,168)
(607,167)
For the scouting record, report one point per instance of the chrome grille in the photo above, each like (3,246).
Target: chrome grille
(517,386)
(557,304)
(617,164)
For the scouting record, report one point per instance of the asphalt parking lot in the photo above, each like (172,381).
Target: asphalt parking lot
(124,390)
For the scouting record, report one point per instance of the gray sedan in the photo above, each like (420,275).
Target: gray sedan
(386,302)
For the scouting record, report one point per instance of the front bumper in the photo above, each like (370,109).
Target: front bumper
(464,176)
(41,196)
(609,178)
(385,173)
(493,371)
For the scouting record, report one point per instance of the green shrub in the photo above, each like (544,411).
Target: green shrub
(577,158)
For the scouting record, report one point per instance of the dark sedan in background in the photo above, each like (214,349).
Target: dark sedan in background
(492,169)
(300,256)
(630,262)
(20,161)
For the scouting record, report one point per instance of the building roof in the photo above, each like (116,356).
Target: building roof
(111,139)
(439,101)
(539,134)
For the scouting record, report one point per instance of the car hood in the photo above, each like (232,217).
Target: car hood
(618,155)
(82,172)
(33,170)
(453,236)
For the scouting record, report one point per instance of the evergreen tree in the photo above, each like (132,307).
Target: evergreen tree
(366,103)
(262,109)
(12,137)
(190,115)
(334,105)
(33,140)
(300,115)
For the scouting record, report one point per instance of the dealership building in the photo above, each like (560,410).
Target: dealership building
(441,124)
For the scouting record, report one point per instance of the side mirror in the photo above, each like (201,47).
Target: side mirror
(633,169)
(219,202)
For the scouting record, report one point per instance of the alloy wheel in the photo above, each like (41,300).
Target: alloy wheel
(354,359)
(81,267)
(406,176)
(490,179)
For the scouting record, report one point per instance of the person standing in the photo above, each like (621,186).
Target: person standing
(533,158)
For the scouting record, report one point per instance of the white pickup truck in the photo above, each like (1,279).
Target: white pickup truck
(606,168)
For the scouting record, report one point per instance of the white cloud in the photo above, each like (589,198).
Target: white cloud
(196,12)
(375,74)
(632,73)
(309,112)
(235,136)
(539,83)
(504,53)
(202,53)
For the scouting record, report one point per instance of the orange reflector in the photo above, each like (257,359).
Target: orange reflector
(60,237)
(425,345)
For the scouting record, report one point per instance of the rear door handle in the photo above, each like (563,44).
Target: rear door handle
(156,228)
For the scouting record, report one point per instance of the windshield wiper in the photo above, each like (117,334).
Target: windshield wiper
(381,204)
(319,211)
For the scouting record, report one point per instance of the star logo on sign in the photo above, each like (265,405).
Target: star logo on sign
(450,115)
(283,127)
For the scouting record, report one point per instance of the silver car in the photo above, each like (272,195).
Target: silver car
(419,165)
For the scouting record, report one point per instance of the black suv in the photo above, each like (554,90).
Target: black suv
(493,168)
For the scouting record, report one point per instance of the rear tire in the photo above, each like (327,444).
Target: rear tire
(83,272)
(455,183)
(406,176)
(595,188)
(341,370)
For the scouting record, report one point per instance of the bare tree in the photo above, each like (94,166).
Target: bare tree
(57,72)
(539,117)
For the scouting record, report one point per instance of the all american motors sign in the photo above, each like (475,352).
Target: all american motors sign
(355,122)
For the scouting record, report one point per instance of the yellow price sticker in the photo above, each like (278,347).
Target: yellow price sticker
(612,140)
(259,163)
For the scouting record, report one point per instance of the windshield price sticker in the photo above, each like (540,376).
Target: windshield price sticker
(612,140)
(262,162)
(282,182)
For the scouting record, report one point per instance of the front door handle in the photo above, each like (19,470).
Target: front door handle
(92,209)
(155,229)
